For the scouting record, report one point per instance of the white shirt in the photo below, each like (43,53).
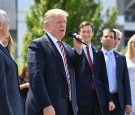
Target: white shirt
(55,41)
(131,71)
(90,50)
(112,73)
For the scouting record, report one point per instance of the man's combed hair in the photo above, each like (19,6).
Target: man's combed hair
(54,12)
(48,16)
(86,23)
(110,30)
(2,15)
(120,33)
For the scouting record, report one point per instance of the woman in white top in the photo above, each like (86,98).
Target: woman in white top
(130,56)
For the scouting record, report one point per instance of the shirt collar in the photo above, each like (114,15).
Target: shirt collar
(106,51)
(84,46)
(55,40)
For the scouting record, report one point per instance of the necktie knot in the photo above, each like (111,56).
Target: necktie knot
(59,42)
(87,47)
(108,53)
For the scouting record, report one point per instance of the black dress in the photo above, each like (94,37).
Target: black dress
(23,91)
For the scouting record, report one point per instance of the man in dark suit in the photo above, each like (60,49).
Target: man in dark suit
(52,66)
(118,77)
(10,98)
(92,86)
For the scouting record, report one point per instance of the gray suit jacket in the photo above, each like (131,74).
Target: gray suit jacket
(10,99)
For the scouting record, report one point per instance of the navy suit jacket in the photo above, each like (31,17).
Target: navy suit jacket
(84,89)
(123,84)
(48,82)
(10,99)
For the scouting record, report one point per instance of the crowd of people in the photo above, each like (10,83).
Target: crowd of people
(61,80)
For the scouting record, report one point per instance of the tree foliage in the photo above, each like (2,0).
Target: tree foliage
(79,10)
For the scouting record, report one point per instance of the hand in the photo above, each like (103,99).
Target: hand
(23,86)
(111,106)
(128,109)
(77,44)
(49,110)
(27,85)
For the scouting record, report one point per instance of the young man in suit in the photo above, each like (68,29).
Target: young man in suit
(10,98)
(92,86)
(52,66)
(118,77)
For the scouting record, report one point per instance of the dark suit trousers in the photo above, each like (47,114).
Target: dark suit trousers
(117,110)
(93,108)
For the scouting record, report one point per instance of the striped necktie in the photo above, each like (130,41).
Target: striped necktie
(91,65)
(66,67)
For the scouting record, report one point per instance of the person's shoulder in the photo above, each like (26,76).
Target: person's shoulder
(118,53)
(97,50)
(37,41)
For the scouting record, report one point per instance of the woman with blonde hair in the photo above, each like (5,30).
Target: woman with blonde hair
(130,56)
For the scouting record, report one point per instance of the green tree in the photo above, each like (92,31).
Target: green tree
(79,10)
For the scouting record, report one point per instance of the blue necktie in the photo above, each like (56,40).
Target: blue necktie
(109,65)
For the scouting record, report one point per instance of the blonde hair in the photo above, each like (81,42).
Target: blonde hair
(48,16)
(118,31)
(129,53)
(10,46)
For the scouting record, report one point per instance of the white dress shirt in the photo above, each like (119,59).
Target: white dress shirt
(55,41)
(90,50)
(111,70)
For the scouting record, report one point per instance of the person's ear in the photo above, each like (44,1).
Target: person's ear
(101,39)
(46,26)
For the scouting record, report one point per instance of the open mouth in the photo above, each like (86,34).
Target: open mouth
(62,30)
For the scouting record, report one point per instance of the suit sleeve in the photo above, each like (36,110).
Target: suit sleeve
(104,79)
(5,107)
(79,63)
(126,84)
(36,68)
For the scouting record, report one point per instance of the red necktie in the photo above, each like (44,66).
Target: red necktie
(66,67)
(90,63)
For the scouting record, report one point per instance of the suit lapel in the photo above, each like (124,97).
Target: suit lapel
(66,50)
(117,63)
(6,52)
(56,54)
(95,57)
(87,63)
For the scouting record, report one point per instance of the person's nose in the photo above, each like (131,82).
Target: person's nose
(108,38)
